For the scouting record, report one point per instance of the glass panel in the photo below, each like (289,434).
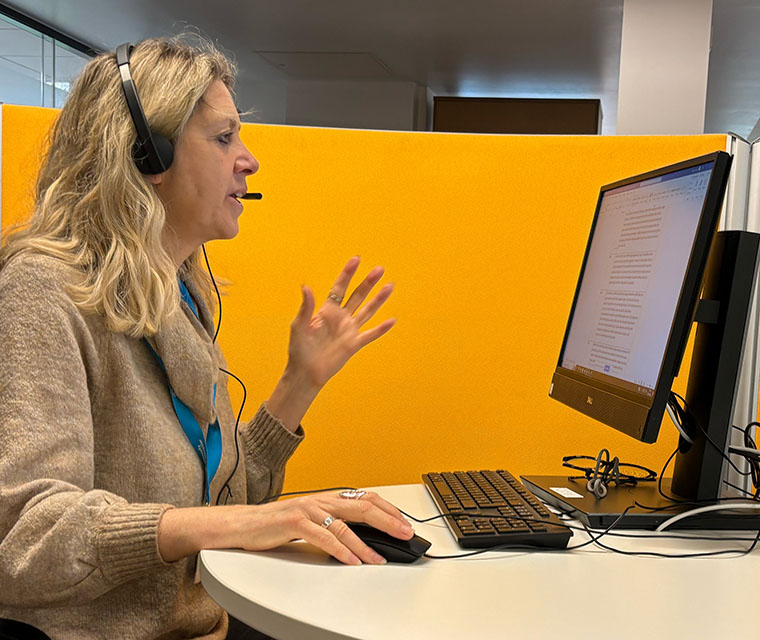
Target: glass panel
(35,69)
(68,64)
(48,70)
(20,64)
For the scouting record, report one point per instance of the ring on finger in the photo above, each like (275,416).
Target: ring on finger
(352,494)
(335,297)
(328,521)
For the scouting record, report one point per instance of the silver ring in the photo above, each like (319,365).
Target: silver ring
(328,521)
(335,297)
(352,494)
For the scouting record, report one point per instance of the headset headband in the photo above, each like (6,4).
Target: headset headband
(152,152)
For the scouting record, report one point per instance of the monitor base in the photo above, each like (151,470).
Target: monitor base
(572,497)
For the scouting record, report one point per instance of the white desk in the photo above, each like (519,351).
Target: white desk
(297,592)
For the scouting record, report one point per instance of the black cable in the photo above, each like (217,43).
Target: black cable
(606,470)
(662,475)
(514,547)
(218,295)
(680,504)
(594,535)
(675,505)
(670,536)
(697,503)
(707,437)
(739,489)
(594,538)
(754,464)
(621,534)
(584,527)
(657,554)
(226,484)
(683,414)
(423,520)
(306,491)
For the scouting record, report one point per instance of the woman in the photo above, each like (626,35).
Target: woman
(106,327)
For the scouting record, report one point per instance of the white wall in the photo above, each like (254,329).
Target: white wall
(264,100)
(664,58)
(400,106)
(358,105)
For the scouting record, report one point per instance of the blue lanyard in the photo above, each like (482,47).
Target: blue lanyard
(209,450)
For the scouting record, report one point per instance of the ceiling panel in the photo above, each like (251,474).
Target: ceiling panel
(518,48)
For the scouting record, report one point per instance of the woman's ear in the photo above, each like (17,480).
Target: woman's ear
(156,178)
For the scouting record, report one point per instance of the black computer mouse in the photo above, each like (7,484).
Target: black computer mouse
(392,549)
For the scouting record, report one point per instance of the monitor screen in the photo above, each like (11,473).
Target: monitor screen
(637,291)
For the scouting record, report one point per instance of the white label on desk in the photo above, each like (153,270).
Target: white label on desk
(565,492)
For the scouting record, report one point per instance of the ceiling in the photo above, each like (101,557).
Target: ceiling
(510,48)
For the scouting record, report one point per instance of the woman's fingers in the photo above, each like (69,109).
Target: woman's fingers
(324,539)
(354,544)
(365,314)
(381,503)
(373,334)
(340,286)
(366,511)
(362,291)
(306,310)
(339,541)
(359,295)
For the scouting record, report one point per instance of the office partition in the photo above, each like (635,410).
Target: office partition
(483,237)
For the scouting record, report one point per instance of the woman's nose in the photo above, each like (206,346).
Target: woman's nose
(247,163)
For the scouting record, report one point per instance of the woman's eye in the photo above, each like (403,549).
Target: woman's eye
(225,139)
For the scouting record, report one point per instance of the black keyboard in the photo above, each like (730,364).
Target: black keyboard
(491,508)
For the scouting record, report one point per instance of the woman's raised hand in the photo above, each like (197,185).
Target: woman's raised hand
(321,343)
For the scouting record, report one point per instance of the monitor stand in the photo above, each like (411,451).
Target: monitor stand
(572,497)
(698,474)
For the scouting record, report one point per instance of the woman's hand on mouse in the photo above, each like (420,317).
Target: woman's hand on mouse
(322,342)
(305,518)
(184,532)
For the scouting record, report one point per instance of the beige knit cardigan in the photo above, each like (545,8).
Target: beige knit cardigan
(92,454)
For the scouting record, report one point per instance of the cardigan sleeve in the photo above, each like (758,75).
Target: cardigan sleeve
(268,445)
(61,540)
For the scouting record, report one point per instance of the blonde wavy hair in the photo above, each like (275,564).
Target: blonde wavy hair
(94,210)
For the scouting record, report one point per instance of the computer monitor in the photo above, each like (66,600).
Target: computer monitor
(652,249)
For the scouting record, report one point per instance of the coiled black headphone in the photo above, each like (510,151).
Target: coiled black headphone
(152,152)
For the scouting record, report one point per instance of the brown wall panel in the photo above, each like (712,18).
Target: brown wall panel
(516,115)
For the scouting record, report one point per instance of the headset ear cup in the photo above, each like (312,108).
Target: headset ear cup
(157,162)
(164,150)
(597,487)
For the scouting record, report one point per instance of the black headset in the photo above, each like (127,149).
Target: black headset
(152,152)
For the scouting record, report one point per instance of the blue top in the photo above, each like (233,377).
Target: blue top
(209,449)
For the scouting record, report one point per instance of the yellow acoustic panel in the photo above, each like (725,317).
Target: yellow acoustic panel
(24,141)
(483,236)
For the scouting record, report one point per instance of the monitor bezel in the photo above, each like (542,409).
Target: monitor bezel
(640,414)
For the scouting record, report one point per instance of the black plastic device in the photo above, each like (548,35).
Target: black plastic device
(152,152)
